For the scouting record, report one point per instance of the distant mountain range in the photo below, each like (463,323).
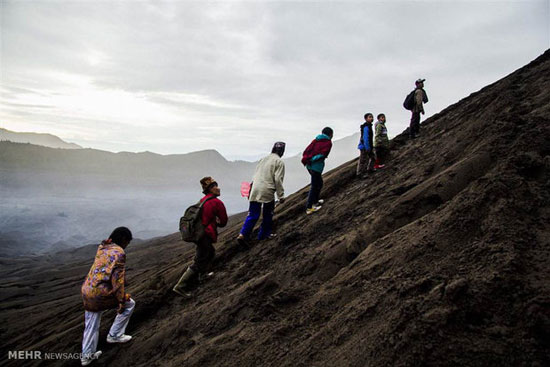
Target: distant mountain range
(61,198)
(47,140)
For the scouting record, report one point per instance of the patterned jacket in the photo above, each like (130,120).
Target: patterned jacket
(103,288)
(381,135)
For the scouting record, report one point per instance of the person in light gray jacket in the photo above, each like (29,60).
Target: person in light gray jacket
(267,181)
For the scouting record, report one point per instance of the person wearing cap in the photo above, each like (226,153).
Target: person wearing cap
(420,97)
(213,215)
(266,182)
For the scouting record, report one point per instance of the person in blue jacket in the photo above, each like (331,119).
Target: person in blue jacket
(366,157)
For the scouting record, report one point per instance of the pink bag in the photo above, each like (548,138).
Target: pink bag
(245,189)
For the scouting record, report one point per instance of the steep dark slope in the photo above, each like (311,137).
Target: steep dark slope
(441,259)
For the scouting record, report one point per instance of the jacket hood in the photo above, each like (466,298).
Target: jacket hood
(322,137)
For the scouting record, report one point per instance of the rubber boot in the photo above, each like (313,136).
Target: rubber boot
(183,284)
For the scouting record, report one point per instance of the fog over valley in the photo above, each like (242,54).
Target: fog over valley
(54,199)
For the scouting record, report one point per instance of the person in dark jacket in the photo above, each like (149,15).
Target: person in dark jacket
(420,97)
(214,215)
(365,164)
(314,159)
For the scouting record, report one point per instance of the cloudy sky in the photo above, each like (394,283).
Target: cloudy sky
(180,76)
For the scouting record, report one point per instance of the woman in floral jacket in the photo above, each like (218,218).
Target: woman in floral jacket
(102,290)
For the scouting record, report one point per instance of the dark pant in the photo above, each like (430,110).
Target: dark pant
(204,255)
(414,128)
(381,154)
(254,210)
(366,162)
(315,190)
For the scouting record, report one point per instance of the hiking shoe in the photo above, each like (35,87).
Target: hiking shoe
(312,209)
(118,339)
(89,359)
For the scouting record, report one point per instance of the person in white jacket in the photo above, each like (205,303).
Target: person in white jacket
(268,180)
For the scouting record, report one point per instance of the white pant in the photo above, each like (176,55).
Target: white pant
(91,327)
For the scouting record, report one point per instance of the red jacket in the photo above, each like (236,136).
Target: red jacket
(213,215)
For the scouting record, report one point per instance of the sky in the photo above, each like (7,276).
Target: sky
(179,76)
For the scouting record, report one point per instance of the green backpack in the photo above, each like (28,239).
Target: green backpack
(191,227)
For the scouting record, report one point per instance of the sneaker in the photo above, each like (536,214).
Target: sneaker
(320,202)
(89,359)
(272,236)
(119,339)
(312,209)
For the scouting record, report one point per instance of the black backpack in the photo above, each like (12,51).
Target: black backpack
(409,101)
(191,227)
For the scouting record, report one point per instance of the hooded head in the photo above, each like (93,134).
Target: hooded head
(279,148)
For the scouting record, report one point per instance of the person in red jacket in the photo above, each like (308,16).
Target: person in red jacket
(214,215)
(314,159)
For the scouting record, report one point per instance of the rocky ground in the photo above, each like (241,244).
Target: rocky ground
(443,258)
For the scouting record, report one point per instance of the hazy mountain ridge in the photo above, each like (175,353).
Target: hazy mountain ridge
(47,140)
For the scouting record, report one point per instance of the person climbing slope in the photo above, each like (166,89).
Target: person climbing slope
(365,165)
(381,141)
(102,290)
(268,180)
(420,97)
(213,215)
(314,159)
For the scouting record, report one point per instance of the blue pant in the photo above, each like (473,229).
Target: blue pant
(315,190)
(254,214)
